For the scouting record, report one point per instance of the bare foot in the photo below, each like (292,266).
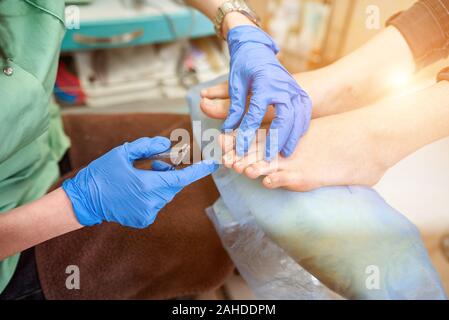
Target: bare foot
(337,150)
(215,103)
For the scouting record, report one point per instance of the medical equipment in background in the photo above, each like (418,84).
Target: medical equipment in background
(115,43)
(311,33)
(115,77)
(121,76)
(349,238)
(106,24)
(68,89)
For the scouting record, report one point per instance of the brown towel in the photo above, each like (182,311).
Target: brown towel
(180,255)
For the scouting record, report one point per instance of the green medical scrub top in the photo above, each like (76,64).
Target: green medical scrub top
(31,133)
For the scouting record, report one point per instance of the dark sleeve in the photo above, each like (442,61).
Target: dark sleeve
(425,27)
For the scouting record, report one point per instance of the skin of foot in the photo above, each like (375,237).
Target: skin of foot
(314,163)
(324,157)
(350,148)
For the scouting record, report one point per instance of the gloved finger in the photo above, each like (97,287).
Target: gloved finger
(302,115)
(220,91)
(238,92)
(250,123)
(184,177)
(144,148)
(160,166)
(280,130)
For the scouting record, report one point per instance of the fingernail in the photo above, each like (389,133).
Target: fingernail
(268,181)
(203,92)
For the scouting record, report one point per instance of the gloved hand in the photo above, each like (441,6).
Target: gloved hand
(112,189)
(254,63)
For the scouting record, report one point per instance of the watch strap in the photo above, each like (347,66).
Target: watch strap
(233,6)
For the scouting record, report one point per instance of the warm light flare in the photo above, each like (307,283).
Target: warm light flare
(399,79)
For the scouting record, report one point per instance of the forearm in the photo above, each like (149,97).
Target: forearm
(207,7)
(34,223)
(210,7)
(403,125)
(360,77)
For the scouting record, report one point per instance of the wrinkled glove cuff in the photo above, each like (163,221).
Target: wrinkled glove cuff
(82,213)
(243,34)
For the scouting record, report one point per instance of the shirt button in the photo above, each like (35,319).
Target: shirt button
(9,71)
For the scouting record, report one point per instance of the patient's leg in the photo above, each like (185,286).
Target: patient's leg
(348,237)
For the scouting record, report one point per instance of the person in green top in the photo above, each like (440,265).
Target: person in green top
(33,141)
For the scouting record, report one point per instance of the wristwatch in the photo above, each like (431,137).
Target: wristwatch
(233,6)
(443,75)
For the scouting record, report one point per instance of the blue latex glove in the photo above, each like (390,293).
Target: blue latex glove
(255,68)
(112,189)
